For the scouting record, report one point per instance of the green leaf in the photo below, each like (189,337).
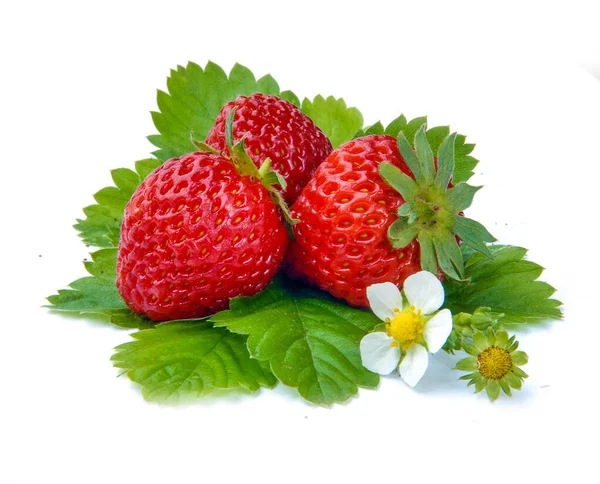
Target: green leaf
(412,127)
(97,294)
(193,100)
(507,283)
(312,343)
(290,97)
(393,129)
(376,128)
(436,136)
(336,120)
(464,163)
(182,360)
(102,225)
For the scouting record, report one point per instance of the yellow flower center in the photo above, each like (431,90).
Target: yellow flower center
(494,363)
(406,327)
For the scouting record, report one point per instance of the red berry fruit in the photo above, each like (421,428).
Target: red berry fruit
(194,234)
(378,210)
(276,129)
(345,210)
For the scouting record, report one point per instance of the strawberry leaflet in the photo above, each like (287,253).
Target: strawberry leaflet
(178,361)
(102,225)
(332,115)
(97,293)
(312,343)
(507,283)
(194,98)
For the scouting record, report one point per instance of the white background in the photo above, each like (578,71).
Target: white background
(77,83)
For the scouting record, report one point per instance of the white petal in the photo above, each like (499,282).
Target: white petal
(414,364)
(377,353)
(437,330)
(383,298)
(424,291)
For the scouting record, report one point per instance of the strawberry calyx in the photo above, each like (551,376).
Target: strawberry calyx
(246,167)
(432,212)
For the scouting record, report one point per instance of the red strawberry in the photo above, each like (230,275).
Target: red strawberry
(345,211)
(276,129)
(194,234)
(379,210)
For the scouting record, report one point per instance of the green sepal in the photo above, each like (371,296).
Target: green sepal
(473,234)
(493,389)
(239,157)
(480,384)
(519,358)
(270,177)
(398,180)
(467,364)
(202,146)
(401,233)
(280,202)
(480,341)
(520,373)
(445,162)
(409,211)
(425,156)
(410,157)
(449,257)
(428,262)
(514,381)
(505,387)
(461,196)
(470,349)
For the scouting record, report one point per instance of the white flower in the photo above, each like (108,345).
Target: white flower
(413,327)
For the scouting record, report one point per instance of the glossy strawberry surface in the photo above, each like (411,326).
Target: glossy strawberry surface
(345,210)
(276,129)
(194,234)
